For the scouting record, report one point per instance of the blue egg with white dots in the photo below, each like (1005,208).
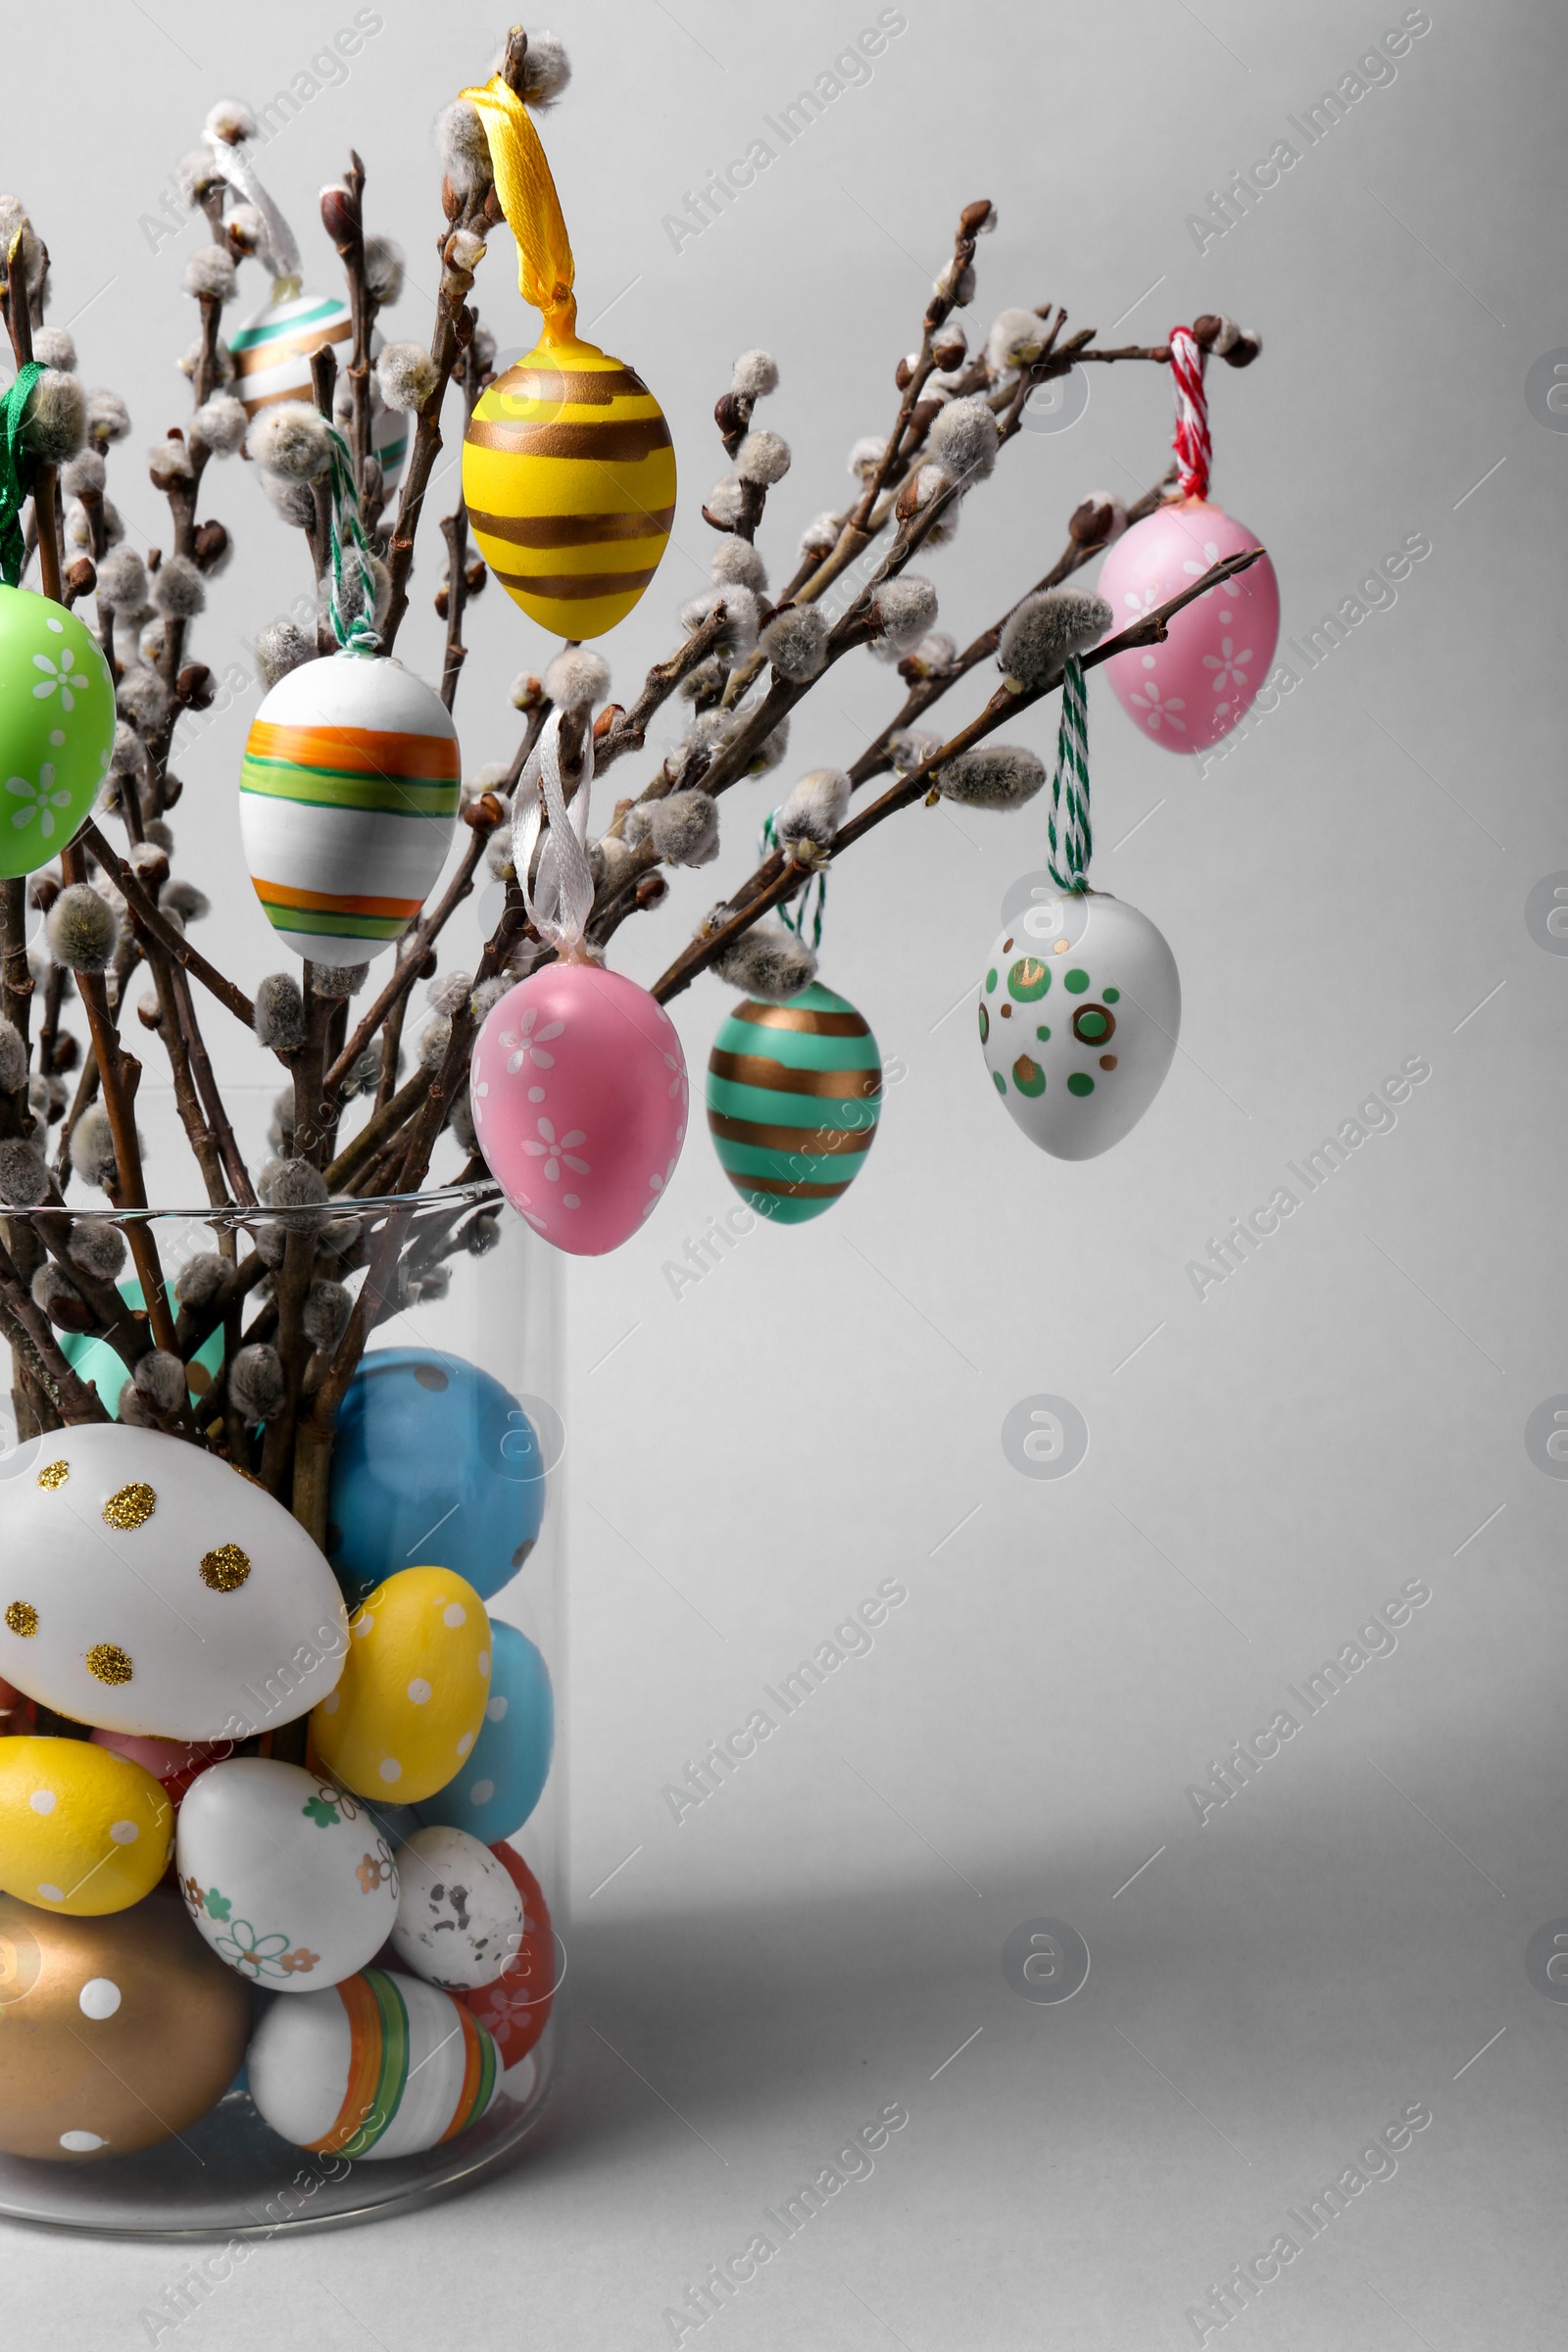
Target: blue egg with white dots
(508,1764)
(434,1465)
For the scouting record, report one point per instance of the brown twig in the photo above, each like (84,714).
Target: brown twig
(145,915)
(775,879)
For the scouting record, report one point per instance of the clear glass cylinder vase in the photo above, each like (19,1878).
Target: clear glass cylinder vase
(444,1453)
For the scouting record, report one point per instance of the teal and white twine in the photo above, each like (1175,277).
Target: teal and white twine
(359,634)
(1070,838)
(794,918)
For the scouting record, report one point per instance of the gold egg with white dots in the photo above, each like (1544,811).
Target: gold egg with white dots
(411,1697)
(114,2032)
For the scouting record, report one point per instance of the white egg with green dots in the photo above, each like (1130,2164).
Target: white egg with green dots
(1080,1009)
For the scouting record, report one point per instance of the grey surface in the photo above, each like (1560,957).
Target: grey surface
(823,1411)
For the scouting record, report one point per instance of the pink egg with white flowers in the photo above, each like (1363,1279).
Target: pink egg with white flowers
(580,1104)
(1191,691)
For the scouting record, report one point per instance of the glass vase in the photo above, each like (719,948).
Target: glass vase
(465,1298)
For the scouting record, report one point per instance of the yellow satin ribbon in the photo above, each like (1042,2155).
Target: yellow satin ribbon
(546,269)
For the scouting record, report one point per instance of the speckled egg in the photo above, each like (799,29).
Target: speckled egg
(500,1783)
(146,1587)
(460,1916)
(114,2032)
(429,1453)
(286,1878)
(412,1697)
(517,2006)
(81,1831)
(378,2066)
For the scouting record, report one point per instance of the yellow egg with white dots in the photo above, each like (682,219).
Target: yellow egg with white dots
(411,1697)
(82,1830)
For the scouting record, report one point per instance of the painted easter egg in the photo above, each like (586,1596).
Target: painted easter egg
(517,2006)
(460,1916)
(285,1878)
(114,2032)
(579,1093)
(793,1095)
(81,1831)
(273,362)
(94,1361)
(1079,1014)
(411,1697)
(427,1446)
(173,1763)
(57,728)
(500,1783)
(147,1586)
(347,801)
(569,476)
(378,2066)
(1188,692)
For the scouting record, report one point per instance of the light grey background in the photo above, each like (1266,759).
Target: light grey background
(1265,1467)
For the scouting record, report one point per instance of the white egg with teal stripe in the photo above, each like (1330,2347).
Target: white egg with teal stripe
(348,800)
(272,354)
(793,1095)
(1080,1009)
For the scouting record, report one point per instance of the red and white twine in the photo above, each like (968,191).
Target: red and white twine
(1190,441)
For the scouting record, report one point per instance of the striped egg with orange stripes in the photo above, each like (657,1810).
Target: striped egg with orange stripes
(793,1094)
(380,2065)
(348,799)
(568,474)
(271,353)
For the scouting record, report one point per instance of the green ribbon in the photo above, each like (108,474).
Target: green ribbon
(1067,827)
(768,841)
(359,635)
(16,472)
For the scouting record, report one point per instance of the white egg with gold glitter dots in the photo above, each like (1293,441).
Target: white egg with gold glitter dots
(146,1587)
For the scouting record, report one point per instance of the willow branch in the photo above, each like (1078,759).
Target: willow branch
(776,878)
(146,918)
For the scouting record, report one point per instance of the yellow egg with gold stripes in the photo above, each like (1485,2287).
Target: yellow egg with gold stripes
(569,476)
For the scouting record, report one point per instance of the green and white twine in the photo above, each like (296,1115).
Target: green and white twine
(15,472)
(359,635)
(1071,840)
(767,842)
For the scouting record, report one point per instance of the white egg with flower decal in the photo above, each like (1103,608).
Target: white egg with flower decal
(1080,1009)
(286,1877)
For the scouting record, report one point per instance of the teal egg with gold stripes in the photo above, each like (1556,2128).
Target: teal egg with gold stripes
(793,1095)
